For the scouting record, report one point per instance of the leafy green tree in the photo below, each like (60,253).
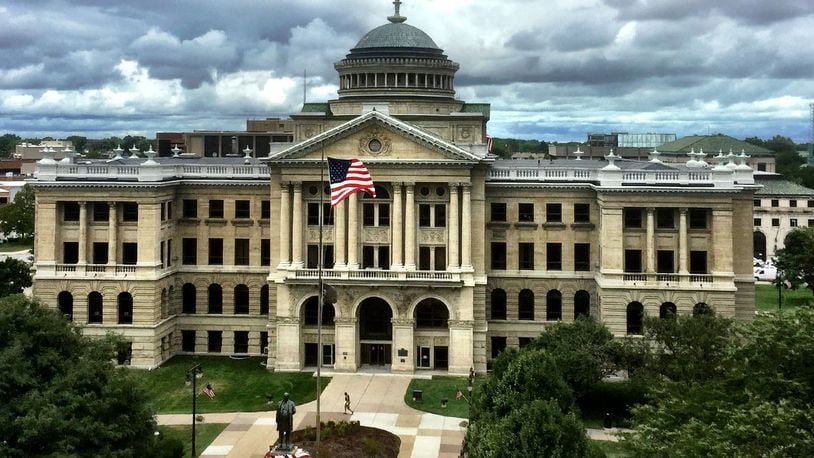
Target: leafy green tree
(79,142)
(61,395)
(8,142)
(18,216)
(796,260)
(15,275)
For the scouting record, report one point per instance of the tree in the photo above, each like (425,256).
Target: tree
(61,395)
(79,142)
(795,262)
(8,143)
(17,217)
(15,275)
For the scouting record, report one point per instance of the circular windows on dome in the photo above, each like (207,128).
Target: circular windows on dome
(440,191)
(374,145)
(424,191)
(313,190)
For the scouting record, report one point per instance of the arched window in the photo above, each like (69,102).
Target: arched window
(188,299)
(582,304)
(264,300)
(635,316)
(95,314)
(759,245)
(125,306)
(498,304)
(311,312)
(431,313)
(241,300)
(215,293)
(702,308)
(65,303)
(525,305)
(553,305)
(667,310)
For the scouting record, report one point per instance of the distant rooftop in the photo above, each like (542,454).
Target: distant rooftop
(712,144)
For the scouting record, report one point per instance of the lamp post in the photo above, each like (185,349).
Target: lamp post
(193,374)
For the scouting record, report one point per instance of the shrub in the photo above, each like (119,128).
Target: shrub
(372,448)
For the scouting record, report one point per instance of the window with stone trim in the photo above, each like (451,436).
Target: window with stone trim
(498,304)
(582,213)
(241,300)
(70,211)
(498,212)
(553,256)
(525,305)
(215,251)
(525,212)
(214,341)
(632,218)
(243,209)
(241,342)
(553,213)
(188,341)
(582,257)
(526,256)
(216,208)
(189,251)
(498,255)
(189,208)
(129,212)
(241,252)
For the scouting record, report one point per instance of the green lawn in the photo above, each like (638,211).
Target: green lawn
(612,449)
(240,385)
(441,387)
(6,247)
(766,298)
(205,433)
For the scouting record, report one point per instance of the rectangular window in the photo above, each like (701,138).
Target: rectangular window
(811,223)
(498,255)
(424,215)
(633,261)
(775,222)
(70,211)
(761,167)
(188,341)
(698,262)
(440,258)
(163,212)
(100,252)
(70,252)
(101,211)
(129,212)
(665,218)
(424,257)
(384,257)
(189,251)
(793,222)
(811,204)
(264,342)
(368,257)
(241,252)
(312,215)
(792,203)
(265,209)
(190,208)
(553,256)
(498,345)
(312,261)
(441,215)
(243,209)
(130,253)
(214,341)
(215,252)
(632,218)
(524,341)
(775,203)
(498,212)
(582,257)
(384,215)
(169,210)
(553,213)
(665,261)
(757,222)
(526,256)
(756,203)
(216,209)
(582,213)
(265,252)
(161,253)
(525,213)
(169,253)
(698,218)
(241,341)
(368,215)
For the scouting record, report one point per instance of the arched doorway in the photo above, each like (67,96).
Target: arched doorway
(375,332)
(431,333)
(759,244)
(65,302)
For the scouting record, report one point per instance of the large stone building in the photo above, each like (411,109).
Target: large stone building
(780,207)
(458,256)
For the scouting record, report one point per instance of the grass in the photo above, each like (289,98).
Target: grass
(766,298)
(205,433)
(16,245)
(441,387)
(240,385)
(612,449)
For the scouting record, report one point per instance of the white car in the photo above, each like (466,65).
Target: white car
(766,273)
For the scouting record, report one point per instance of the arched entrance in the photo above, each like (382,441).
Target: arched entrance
(375,332)
(759,244)
(431,334)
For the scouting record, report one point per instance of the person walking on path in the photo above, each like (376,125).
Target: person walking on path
(347,403)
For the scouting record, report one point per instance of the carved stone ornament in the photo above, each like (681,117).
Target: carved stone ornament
(406,322)
(432,236)
(461,324)
(375,143)
(465,132)
(376,235)
(312,235)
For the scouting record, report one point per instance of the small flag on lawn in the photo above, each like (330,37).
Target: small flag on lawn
(209,391)
(348,176)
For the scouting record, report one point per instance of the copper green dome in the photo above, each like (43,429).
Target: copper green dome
(396,35)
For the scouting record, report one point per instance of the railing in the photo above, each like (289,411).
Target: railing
(111,269)
(661,278)
(375,275)
(152,173)
(629,177)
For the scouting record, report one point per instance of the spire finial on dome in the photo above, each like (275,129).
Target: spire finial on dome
(397,18)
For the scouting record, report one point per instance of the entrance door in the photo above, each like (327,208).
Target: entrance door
(441,358)
(423,356)
(376,354)
(311,354)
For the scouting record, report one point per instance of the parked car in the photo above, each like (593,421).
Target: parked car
(766,273)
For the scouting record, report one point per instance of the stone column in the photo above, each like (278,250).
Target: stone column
(297,228)
(112,235)
(83,233)
(346,345)
(353,231)
(339,236)
(409,228)
(288,345)
(285,225)
(721,262)
(682,241)
(611,250)
(461,341)
(452,218)
(651,240)
(398,262)
(466,226)
(403,340)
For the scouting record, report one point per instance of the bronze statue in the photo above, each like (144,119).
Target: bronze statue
(285,422)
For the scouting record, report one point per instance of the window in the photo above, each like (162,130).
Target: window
(553,213)
(499,255)
(698,262)
(65,303)
(190,208)
(130,253)
(775,203)
(756,203)
(70,211)
(214,340)
(101,211)
(775,222)
(792,203)
(757,222)
(431,313)
(553,256)
(498,212)
(264,300)
(498,345)
(216,209)
(633,261)
(169,210)
(582,213)
(215,299)
(498,304)
(310,312)
(70,252)
(441,215)
(241,300)
(432,215)
(265,252)
(698,218)
(163,212)
(526,256)
(129,212)
(761,167)
(265,209)
(241,341)
(553,305)
(582,257)
(125,308)
(632,218)
(376,212)
(188,341)
(313,256)
(524,341)
(374,256)
(665,218)
(243,209)
(169,252)
(424,215)
(635,316)
(189,251)
(100,252)
(95,308)
(525,213)
(432,258)
(264,342)
(215,252)
(811,223)
(667,310)
(241,252)
(665,261)
(161,253)
(793,222)
(582,304)
(525,305)
(811,204)
(188,298)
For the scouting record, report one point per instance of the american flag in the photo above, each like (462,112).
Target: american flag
(348,176)
(209,391)
(488,143)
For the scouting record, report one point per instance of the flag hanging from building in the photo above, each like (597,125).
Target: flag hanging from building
(348,176)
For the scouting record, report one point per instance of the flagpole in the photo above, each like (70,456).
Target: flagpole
(321,293)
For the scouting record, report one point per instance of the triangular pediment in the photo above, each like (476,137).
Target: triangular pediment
(376,137)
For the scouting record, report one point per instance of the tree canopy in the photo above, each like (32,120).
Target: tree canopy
(8,143)
(17,217)
(795,262)
(15,275)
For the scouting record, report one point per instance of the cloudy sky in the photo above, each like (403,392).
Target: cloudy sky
(552,69)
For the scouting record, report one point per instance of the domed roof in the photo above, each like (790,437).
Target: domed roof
(396,35)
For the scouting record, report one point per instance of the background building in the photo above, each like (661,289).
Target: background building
(780,207)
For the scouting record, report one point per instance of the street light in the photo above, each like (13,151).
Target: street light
(192,375)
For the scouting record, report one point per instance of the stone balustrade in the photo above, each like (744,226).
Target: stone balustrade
(149,172)
(374,275)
